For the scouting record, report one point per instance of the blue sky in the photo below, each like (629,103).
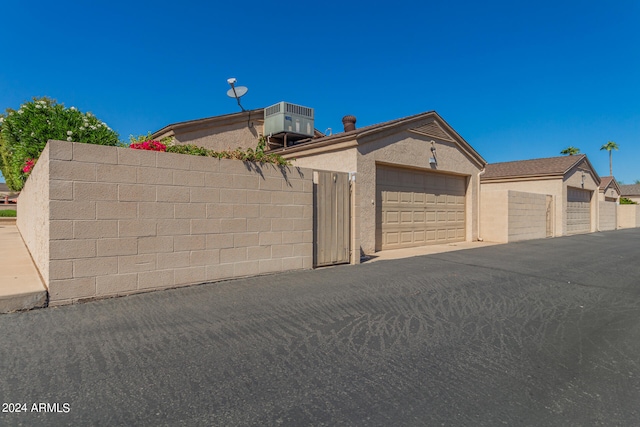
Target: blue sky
(517,80)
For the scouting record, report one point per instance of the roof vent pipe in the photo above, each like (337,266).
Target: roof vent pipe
(349,123)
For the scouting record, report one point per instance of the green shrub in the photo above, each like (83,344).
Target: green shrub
(626,201)
(10,213)
(249,155)
(25,132)
(194,150)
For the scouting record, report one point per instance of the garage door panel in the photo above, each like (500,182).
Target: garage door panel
(419,207)
(392,217)
(392,238)
(406,198)
(391,197)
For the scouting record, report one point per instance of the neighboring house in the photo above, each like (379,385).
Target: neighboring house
(415,179)
(570,205)
(629,215)
(608,200)
(238,130)
(231,131)
(6,195)
(631,192)
(610,190)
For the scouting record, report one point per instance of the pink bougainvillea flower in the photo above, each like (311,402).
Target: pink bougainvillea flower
(28,165)
(149,145)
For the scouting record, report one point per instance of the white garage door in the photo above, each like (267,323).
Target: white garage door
(578,210)
(417,208)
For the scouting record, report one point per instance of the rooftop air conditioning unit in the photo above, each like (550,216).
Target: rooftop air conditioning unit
(288,119)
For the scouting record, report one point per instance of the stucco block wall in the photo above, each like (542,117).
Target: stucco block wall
(607,215)
(123,221)
(511,216)
(33,211)
(628,216)
(494,216)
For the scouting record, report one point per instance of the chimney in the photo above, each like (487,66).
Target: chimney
(349,123)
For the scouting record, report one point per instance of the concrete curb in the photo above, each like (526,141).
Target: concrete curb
(24,301)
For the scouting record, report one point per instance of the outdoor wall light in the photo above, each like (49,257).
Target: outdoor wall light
(433,160)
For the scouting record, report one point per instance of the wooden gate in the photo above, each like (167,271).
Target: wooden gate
(331,200)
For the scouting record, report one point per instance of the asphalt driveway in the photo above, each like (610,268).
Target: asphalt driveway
(536,333)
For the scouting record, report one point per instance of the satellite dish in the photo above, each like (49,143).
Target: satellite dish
(236,92)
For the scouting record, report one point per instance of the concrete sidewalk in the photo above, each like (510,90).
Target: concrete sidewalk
(20,285)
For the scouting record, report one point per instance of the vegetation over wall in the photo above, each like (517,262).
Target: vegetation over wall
(25,132)
(250,155)
(626,201)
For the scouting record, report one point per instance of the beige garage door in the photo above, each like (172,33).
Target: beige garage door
(578,210)
(417,208)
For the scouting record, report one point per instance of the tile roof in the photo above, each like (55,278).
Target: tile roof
(606,180)
(630,190)
(534,167)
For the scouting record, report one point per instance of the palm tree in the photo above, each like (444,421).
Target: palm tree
(610,146)
(571,150)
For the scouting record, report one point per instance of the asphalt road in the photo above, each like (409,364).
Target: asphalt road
(538,333)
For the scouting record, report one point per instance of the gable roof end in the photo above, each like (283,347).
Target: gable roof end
(446,131)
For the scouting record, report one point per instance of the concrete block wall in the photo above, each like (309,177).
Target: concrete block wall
(527,216)
(607,216)
(510,216)
(123,221)
(628,216)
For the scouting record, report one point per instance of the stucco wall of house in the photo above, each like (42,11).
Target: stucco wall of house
(607,215)
(609,193)
(628,216)
(408,149)
(577,179)
(553,187)
(344,160)
(226,136)
(125,221)
(633,198)
(33,212)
